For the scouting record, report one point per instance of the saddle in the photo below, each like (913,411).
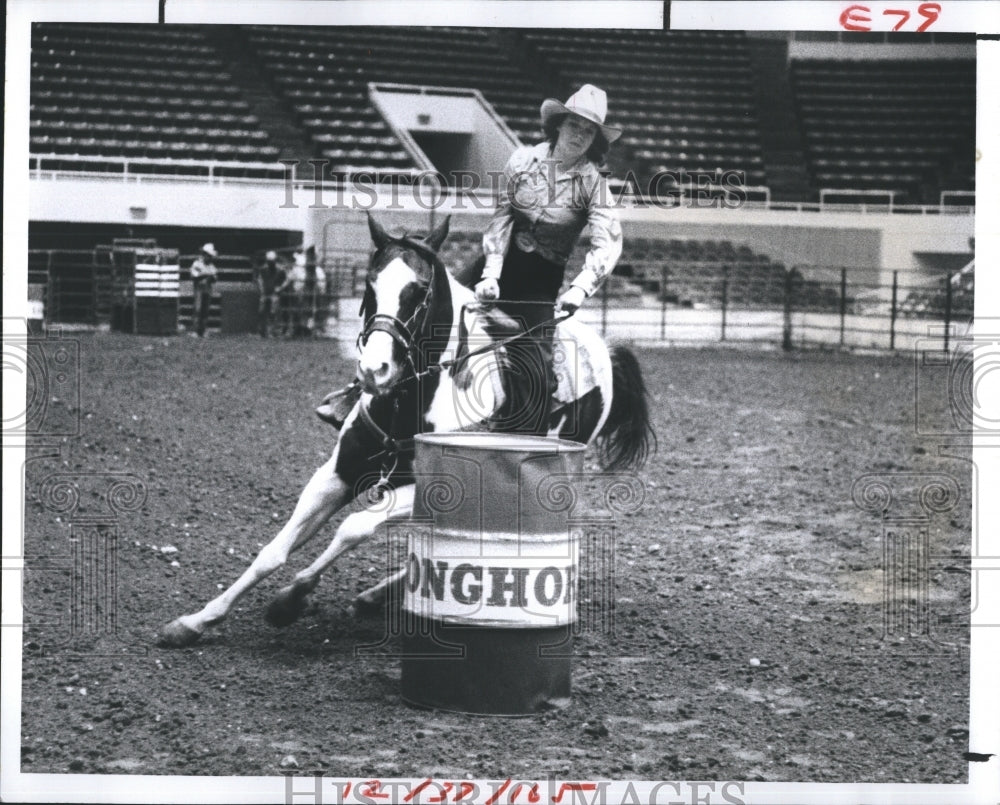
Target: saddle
(337,405)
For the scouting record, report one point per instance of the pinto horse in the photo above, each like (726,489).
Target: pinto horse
(421,369)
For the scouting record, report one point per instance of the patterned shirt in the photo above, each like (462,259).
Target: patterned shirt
(203,272)
(545,212)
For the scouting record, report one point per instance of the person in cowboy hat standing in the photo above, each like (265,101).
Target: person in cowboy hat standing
(204,275)
(548,194)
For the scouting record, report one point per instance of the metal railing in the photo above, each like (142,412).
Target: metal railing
(57,167)
(767,304)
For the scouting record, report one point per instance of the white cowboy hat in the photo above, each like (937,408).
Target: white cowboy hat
(209,249)
(588,102)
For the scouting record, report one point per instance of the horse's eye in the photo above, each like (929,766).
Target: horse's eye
(414,293)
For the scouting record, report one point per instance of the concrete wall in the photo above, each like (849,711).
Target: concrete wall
(336,221)
(166,202)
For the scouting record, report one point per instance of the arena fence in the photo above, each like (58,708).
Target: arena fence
(753,302)
(644,301)
(78,288)
(801,306)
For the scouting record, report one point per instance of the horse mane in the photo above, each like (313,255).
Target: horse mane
(469,274)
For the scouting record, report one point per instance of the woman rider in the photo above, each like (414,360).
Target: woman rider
(549,193)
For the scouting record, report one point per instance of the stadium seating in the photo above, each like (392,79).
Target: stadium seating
(137,91)
(324,76)
(686,102)
(900,126)
(682,272)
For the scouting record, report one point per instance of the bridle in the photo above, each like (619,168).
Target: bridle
(404,333)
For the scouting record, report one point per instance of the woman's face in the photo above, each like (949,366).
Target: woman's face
(575,137)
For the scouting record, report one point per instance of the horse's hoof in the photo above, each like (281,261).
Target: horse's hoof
(177,635)
(287,606)
(367,608)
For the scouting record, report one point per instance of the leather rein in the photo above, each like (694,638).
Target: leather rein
(405,334)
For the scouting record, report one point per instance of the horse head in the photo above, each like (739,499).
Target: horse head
(406,295)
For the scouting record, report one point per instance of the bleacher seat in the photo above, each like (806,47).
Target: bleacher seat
(682,106)
(137,91)
(901,126)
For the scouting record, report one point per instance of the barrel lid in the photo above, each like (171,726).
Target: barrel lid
(519,442)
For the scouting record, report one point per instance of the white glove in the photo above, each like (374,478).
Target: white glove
(487,290)
(570,301)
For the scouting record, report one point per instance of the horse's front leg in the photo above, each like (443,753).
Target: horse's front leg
(324,495)
(291,601)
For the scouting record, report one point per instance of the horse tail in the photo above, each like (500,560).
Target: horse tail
(627,439)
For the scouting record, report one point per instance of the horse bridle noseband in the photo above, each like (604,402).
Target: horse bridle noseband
(404,333)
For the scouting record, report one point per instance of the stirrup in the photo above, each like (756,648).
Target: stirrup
(338,404)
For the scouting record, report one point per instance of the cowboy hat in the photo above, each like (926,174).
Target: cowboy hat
(588,102)
(209,249)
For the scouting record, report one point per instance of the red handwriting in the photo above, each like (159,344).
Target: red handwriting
(533,795)
(499,791)
(903,15)
(930,11)
(857,17)
(372,789)
(851,19)
(573,787)
(417,790)
(443,795)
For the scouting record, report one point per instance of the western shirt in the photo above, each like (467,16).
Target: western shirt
(544,211)
(203,273)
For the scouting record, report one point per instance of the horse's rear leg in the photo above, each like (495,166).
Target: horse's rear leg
(290,601)
(373,600)
(322,497)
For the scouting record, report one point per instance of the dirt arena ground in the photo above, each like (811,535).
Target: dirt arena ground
(749,630)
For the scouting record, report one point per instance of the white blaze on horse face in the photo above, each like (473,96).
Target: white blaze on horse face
(376,368)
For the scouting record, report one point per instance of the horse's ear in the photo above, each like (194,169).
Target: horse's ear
(367,308)
(379,236)
(436,238)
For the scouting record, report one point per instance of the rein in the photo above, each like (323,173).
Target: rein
(403,333)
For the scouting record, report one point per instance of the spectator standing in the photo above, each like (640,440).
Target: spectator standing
(204,276)
(293,294)
(270,277)
(309,295)
(322,308)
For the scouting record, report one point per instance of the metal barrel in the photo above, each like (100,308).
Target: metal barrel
(490,594)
